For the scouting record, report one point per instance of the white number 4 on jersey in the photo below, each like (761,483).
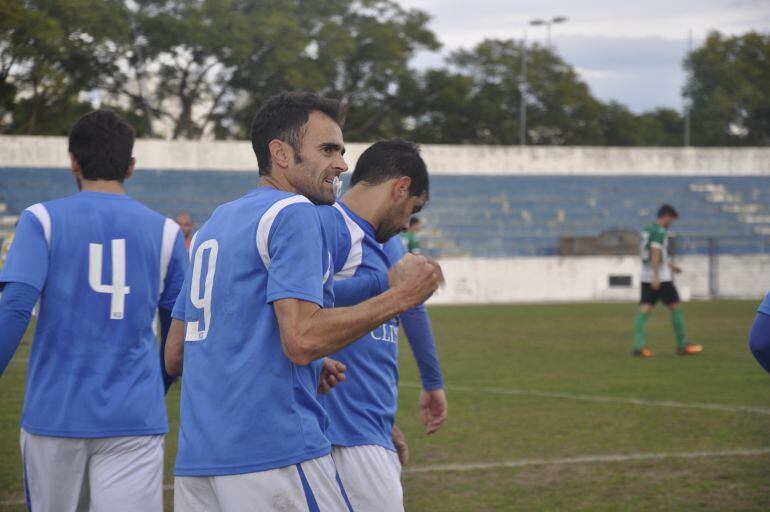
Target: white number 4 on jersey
(118,289)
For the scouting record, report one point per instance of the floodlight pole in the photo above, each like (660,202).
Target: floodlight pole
(688,99)
(539,22)
(523,93)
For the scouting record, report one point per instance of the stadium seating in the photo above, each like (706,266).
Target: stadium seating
(492,216)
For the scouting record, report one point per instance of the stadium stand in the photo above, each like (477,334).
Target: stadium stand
(482,216)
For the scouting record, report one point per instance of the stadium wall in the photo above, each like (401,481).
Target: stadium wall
(587,278)
(23,151)
(510,280)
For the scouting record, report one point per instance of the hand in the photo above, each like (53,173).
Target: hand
(433,409)
(399,441)
(414,279)
(437,269)
(675,269)
(655,284)
(332,373)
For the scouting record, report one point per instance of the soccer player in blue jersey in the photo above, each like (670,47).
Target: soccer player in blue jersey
(388,186)
(101,264)
(255,326)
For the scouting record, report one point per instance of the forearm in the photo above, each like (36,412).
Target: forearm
(164,315)
(309,332)
(759,340)
(174,350)
(418,331)
(655,263)
(16,304)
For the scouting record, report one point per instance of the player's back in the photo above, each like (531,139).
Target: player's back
(94,369)
(245,406)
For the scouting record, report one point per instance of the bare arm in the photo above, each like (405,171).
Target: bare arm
(175,348)
(309,332)
(655,264)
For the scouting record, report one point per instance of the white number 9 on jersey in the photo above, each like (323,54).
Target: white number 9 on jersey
(201,299)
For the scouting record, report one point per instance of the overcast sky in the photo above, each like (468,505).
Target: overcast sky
(627,51)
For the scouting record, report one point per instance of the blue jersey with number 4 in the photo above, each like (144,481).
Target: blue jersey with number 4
(245,406)
(103,263)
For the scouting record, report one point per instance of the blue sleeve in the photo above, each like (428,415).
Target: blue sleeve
(177,266)
(27,260)
(394,249)
(360,287)
(16,305)
(417,327)
(295,246)
(164,315)
(418,331)
(759,339)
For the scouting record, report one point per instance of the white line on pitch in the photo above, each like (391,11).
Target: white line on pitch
(586,459)
(602,398)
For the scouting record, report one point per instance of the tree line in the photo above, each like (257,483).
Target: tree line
(187,69)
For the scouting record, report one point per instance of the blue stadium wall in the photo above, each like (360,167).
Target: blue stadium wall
(496,215)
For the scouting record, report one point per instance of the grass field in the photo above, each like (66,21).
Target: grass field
(534,390)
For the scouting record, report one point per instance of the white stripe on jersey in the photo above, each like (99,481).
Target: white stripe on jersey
(170,232)
(356,251)
(266,223)
(39,211)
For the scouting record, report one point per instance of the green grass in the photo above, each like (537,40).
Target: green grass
(575,349)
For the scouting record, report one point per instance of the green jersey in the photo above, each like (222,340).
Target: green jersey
(655,235)
(411,242)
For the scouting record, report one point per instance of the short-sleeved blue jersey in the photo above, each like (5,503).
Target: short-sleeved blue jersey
(362,409)
(103,263)
(245,406)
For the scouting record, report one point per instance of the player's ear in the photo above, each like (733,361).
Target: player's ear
(401,188)
(281,154)
(130,170)
(75,166)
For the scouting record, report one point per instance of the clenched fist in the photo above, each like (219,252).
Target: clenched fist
(415,278)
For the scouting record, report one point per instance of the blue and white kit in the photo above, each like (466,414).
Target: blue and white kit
(101,266)
(246,408)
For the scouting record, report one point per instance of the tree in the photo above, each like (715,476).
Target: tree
(477,99)
(729,86)
(52,53)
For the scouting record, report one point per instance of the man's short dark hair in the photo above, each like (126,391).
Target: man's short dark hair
(388,159)
(102,142)
(283,117)
(667,211)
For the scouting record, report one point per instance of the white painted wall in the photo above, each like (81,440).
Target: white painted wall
(23,151)
(586,278)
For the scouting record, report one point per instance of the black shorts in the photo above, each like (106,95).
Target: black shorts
(667,294)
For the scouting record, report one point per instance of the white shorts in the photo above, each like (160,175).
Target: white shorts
(114,474)
(311,485)
(372,477)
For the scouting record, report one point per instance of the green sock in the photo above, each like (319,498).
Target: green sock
(639,325)
(677,320)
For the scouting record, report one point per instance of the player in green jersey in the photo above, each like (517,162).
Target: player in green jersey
(409,237)
(658,284)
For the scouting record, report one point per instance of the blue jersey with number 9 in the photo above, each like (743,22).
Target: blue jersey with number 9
(245,406)
(103,263)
